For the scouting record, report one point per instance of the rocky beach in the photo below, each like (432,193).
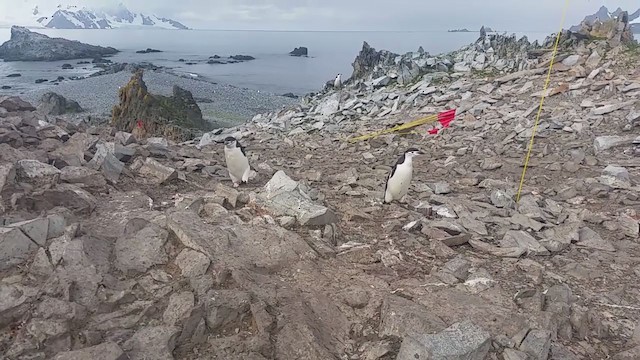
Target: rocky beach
(125,240)
(96,79)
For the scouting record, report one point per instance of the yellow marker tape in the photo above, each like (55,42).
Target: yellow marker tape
(544,90)
(409,125)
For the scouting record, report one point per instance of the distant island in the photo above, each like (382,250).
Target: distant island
(465,30)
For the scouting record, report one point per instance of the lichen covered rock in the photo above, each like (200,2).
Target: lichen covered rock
(177,117)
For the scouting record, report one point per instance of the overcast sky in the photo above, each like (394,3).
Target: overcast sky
(508,15)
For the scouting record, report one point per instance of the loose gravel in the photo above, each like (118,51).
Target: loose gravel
(222,104)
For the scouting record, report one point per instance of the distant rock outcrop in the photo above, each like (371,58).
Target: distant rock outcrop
(242,57)
(490,53)
(300,51)
(25,45)
(148,50)
(603,15)
(177,117)
(616,30)
(55,104)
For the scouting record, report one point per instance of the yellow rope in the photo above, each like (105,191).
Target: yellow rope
(409,125)
(544,90)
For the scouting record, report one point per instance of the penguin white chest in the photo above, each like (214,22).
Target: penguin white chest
(398,184)
(237,163)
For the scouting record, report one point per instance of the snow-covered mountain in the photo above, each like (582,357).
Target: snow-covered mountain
(73,17)
(603,14)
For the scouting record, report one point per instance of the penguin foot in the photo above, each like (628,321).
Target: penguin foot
(235,185)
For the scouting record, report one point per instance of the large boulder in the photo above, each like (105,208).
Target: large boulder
(25,45)
(55,104)
(177,117)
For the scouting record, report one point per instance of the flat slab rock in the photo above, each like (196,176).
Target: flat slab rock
(283,196)
(105,351)
(266,246)
(461,341)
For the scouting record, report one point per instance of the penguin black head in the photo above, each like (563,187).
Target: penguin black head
(230,142)
(413,152)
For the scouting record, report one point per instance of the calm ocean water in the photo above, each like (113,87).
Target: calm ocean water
(272,71)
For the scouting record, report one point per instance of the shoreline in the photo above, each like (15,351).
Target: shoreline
(224,105)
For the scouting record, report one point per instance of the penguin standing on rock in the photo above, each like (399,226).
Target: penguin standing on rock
(400,177)
(237,161)
(337,83)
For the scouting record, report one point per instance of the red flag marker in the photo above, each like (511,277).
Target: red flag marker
(446,117)
(139,123)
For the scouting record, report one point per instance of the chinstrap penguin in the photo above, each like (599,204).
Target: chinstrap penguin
(237,161)
(400,177)
(337,83)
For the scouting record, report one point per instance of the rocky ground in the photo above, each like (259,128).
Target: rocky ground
(114,247)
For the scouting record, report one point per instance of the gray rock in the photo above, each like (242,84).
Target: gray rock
(617,172)
(440,188)
(523,240)
(629,226)
(13,303)
(592,240)
(141,250)
(559,238)
(283,196)
(125,138)
(501,199)
(105,351)
(511,354)
(37,174)
(154,342)
(156,172)
(14,103)
(226,308)
(602,110)
(37,230)
(602,143)
(400,317)
(631,354)
(593,60)
(192,263)
(229,194)
(381,81)
(179,307)
(458,267)
(571,60)
(105,160)
(537,344)
(490,164)
(25,45)
(7,176)
(87,177)
(55,104)
(41,264)
(259,245)
(75,259)
(63,195)
(72,152)
(15,247)
(461,341)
